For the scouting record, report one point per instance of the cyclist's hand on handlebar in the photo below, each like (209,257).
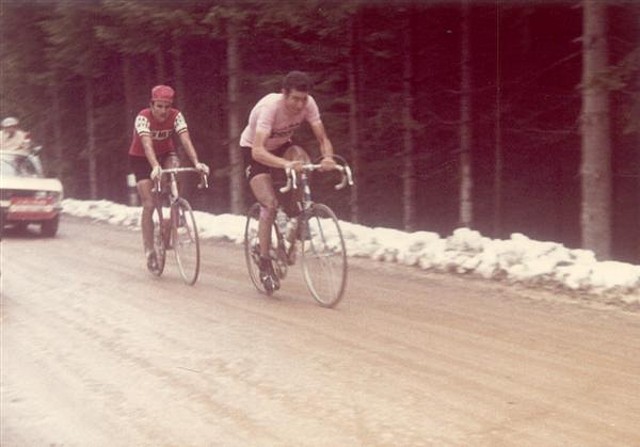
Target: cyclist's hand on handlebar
(327,164)
(296,165)
(202,168)
(155,173)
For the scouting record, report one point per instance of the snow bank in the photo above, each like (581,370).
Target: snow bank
(518,259)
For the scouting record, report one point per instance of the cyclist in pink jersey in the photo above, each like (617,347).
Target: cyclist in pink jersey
(266,144)
(152,148)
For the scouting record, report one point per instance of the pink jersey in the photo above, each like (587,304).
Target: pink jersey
(270,115)
(161,133)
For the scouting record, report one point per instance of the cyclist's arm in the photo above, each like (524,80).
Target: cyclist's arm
(180,126)
(326,148)
(185,139)
(142,128)
(260,153)
(147,144)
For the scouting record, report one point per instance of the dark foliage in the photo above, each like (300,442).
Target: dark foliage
(51,47)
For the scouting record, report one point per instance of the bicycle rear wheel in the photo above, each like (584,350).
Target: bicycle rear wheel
(186,243)
(252,247)
(324,256)
(158,241)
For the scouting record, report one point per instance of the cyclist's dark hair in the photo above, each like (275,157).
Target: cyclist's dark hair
(296,80)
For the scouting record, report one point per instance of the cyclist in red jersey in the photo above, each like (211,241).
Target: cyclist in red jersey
(266,144)
(152,148)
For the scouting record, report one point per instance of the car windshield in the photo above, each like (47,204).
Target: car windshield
(17,166)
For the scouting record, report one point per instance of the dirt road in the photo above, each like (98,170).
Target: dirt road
(96,352)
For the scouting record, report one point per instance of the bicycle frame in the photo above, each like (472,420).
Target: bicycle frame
(318,234)
(301,180)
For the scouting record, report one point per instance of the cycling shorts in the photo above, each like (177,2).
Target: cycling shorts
(253,168)
(142,169)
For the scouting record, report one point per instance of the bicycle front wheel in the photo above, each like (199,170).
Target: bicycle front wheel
(324,256)
(186,243)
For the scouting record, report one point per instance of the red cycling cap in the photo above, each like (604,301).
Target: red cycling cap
(162,93)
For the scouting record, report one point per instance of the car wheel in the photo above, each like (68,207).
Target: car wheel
(49,228)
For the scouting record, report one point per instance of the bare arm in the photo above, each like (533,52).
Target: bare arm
(326,148)
(147,144)
(185,139)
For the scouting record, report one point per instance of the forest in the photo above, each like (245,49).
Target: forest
(451,113)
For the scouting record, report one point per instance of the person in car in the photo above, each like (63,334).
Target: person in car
(13,138)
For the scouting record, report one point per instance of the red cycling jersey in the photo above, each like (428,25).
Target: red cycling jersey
(161,133)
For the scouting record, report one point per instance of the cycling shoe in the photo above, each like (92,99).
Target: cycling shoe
(152,261)
(268,277)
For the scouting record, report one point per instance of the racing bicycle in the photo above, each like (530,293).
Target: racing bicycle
(174,225)
(314,234)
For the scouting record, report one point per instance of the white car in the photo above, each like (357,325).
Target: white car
(26,196)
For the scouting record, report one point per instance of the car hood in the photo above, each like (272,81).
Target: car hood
(31,184)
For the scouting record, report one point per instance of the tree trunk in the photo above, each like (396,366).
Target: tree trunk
(91,139)
(354,65)
(58,155)
(638,192)
(161,74)
(466,179)
(596,146)
(178,73)
(236,178)
(497,176)
(127,79)
(408,171)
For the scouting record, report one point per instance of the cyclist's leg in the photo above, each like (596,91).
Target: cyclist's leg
(140,167)
(170,160)
(167,161)
(262,188)
(295,153)
(146,220)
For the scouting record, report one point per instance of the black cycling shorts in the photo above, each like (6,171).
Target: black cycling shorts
(253,168)
(142,169)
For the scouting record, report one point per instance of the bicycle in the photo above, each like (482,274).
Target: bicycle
(316,230)
(179,231)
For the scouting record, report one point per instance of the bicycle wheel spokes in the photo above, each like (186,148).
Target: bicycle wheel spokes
(158,241)
(324,257)
(186,243)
